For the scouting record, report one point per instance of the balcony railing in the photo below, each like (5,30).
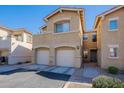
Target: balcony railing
(57,38)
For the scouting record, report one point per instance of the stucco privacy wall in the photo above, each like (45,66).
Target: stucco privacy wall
(113,38)
(53,41)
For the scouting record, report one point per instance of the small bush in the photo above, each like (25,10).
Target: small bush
(113,70)
(3,63)
(107,82)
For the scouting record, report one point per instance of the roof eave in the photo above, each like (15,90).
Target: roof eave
(60,10)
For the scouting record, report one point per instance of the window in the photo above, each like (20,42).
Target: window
(3,37)
(113,25)
(85,54)
(62,27)
(19,37)
(113,52)
(94,38)
(85,37)
(29,39)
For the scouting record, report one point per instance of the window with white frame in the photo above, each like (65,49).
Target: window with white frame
(113,24)
(85,37)
(113,52)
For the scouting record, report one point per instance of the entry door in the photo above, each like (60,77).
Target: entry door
(93,55)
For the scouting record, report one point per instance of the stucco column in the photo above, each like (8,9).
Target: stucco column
(34,56)
(52,57)
(78,57)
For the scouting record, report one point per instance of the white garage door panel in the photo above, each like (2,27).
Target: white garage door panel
(43,57)
(65,58)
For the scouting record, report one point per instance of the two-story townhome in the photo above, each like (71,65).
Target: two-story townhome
(60,41)
(90,47)
(15,46)
(110,37)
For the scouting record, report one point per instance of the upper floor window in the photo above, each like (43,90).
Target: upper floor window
(62,27)
(113,24)
(94,38)
(85,37)
(29,39)
(19,37)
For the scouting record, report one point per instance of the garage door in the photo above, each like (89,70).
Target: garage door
(65,57)
(43,57)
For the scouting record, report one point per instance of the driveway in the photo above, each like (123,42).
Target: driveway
(36,76)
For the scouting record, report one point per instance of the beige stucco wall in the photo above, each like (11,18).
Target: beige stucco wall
(98,32)
(51,40)
(112,38)
(73,17)
(44,28)
(89,43)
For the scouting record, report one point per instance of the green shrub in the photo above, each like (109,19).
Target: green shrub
(113,70)
(107,82)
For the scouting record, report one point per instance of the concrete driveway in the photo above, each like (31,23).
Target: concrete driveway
(36,76)
(54,69)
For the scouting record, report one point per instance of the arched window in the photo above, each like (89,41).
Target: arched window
(62,26)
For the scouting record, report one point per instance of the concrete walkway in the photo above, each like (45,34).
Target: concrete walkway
(85,74)
(83,77)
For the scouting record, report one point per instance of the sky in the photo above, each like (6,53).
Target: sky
(31,17)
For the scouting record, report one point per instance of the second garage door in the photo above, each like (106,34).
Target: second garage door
(43,56)
(65,57)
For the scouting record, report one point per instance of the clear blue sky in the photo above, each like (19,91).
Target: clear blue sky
(31,17)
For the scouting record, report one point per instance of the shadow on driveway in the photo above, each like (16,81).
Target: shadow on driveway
(49,75)
(15,71)
(56,76)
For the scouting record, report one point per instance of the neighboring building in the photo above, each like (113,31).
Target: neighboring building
(15,46)
(89,46)
(110,37)
(60,41)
